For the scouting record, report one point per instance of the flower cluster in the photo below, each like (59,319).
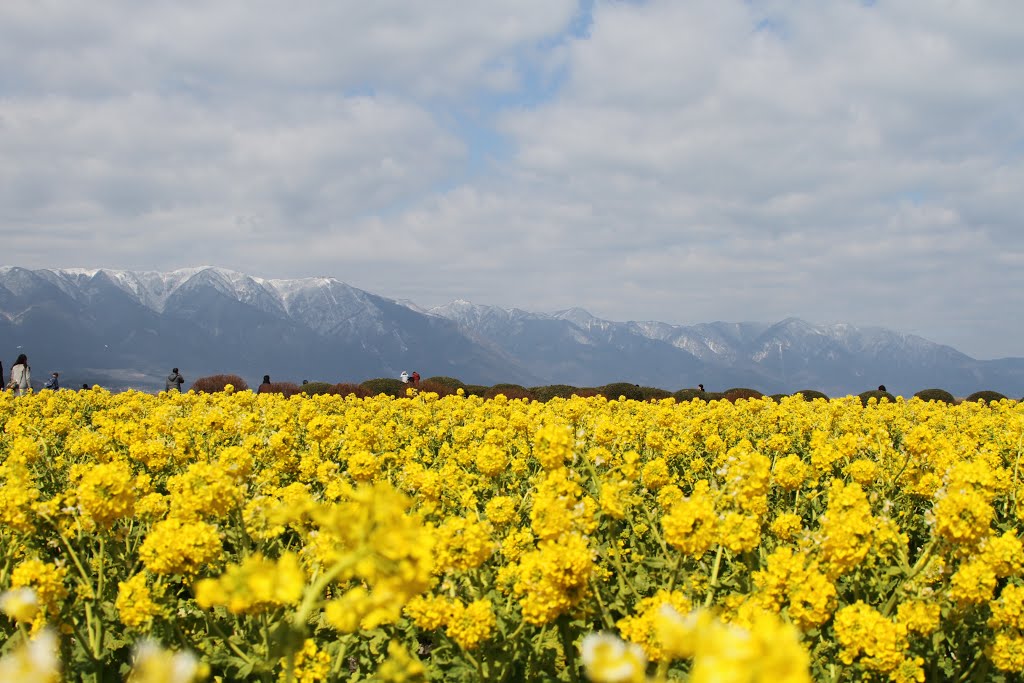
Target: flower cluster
(250,536)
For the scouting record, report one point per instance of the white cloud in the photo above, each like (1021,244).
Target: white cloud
(436,48)
(697,160)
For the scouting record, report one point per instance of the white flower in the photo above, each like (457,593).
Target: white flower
(20,604)
(608,659)
(153,664)
(35,661)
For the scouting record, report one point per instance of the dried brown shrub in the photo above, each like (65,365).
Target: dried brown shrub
(286,389)
(214,383)
(733,395)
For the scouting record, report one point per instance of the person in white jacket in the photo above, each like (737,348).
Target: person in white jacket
(21,376)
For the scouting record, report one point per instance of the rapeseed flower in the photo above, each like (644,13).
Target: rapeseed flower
(690,525)
(135,604)
(176,546)
(257,584)
(106,493)
(472,624)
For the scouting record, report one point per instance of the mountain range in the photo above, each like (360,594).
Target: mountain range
(128,329)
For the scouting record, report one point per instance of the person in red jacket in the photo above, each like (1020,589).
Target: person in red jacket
(414,378)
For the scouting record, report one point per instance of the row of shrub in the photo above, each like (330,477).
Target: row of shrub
(445,386)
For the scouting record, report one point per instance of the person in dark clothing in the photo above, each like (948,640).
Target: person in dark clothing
(881,387)
(174,381)
(53,382)
(264,385)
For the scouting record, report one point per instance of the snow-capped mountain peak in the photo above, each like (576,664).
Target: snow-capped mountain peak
(206,308)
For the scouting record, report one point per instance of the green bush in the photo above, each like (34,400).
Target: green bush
(510,391)
(936,395)
(687,395)
(476,389)
(214,383)
(450,382)
(736,393)
(986,396)
(316,388)
(439,388)
(654,393)
(710,396)
(778,397)
(346,389)
(616,389)
(811,394)
(876,394)
(385,385)
(550,391)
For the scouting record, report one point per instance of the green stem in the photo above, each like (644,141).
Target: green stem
(922,561)
(605,617)
(613,555)
(966,675)
(652,528)
(90,626)
(100,579)
(234,648)
(339,661)
(899,474)
(82,638)
(1013,488)
(475,663)
(313,593)
(568,649)
(515,634)
(8,560)
(918,567)
(289,668)
(71,551)
(713,582)
(675,572)
(265,635)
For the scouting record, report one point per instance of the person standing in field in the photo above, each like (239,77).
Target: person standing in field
(174,381)
(414,378)
(264,386)
(21,376)
(404,377)
(53,382)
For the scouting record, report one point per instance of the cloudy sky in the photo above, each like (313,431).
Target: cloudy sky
(675,160)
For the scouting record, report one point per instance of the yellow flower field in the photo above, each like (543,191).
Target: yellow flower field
(237,536)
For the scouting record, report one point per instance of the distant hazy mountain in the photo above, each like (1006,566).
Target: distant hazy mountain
(122,328)
(781,357)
